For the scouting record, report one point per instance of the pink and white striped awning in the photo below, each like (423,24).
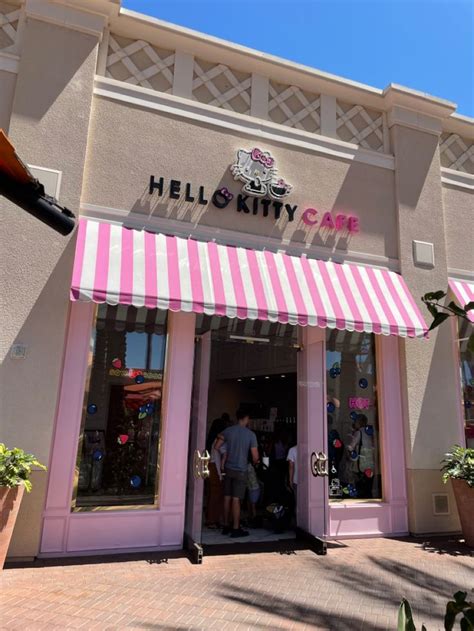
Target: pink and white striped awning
(464,292)
(119,265)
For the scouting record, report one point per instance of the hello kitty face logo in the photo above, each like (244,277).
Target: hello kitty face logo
(256,168)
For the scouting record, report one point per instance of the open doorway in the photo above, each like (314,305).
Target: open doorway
(253,366)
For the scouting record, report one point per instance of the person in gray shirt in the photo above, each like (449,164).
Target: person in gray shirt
(240,441)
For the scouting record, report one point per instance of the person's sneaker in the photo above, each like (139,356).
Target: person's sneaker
(238,532)
(226,530)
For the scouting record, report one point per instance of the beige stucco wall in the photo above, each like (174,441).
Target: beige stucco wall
(7,91)
(128,144)
(459,225)
(49,125)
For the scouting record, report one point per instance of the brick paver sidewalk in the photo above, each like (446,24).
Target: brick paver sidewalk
(358,585)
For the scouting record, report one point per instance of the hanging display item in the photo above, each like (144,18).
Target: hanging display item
(122,439)
(354,455)
(142,415)
(335,488)
(150,408)
(92,408)
(139,379)
(369,430)
(368,473)
(117,363)
(337,443)
(354,416)
(330,407)
(135,481)
(98,454)
(363,383)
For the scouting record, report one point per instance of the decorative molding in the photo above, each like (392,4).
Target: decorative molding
(460,274)
(183,74)
(231,237)
(67,17)
(415,120)
(459,179)
(360,126)
(259,96)
(9,63)
(138,63)
(457,153)
(328,116)
(245,125)
(290,105)
(9,20)
(218,85)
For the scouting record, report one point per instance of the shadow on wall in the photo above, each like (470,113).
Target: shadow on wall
(60,60)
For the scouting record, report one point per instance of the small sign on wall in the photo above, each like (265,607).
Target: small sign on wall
(18,351)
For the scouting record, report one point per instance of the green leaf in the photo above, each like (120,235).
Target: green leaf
(460,598)
(438,295)
(469,614)
(405,617)
(432,309)
(439,319)
(457,310)
(469,306)
(450,616)
(466,625)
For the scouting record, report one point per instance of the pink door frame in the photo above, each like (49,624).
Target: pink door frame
(67,533)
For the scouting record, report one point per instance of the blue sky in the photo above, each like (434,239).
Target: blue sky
(423,44)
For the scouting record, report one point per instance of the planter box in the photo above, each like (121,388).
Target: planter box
(464,495)
(10,500)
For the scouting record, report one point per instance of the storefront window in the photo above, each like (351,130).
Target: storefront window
(118,454)
(353,425)
(466,344)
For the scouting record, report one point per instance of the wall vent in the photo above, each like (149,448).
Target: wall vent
(440,504)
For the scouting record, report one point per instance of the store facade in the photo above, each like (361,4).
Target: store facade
(218,184)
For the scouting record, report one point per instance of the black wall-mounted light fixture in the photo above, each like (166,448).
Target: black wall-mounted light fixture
(19,186)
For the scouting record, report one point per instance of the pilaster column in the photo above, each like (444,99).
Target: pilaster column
(428,367)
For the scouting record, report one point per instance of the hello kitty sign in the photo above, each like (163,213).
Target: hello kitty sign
(257,170)
(263,193)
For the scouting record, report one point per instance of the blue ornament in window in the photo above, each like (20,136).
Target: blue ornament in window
(97,455)
(467,404)
(354,415)
(354,455)
(369,430)
(92,408)
(332,373)
(135,481)
(139,379)
(150,408)
(330,407)
(363,383)
(142,409)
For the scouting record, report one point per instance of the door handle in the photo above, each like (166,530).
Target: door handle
(201,464)
(319,464)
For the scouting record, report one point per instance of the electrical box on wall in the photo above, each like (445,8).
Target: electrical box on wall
(423,254)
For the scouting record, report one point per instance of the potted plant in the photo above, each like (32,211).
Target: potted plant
(15,471)
(458,466)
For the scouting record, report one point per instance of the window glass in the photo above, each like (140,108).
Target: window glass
(466,344)
(353,426)
(119,442)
